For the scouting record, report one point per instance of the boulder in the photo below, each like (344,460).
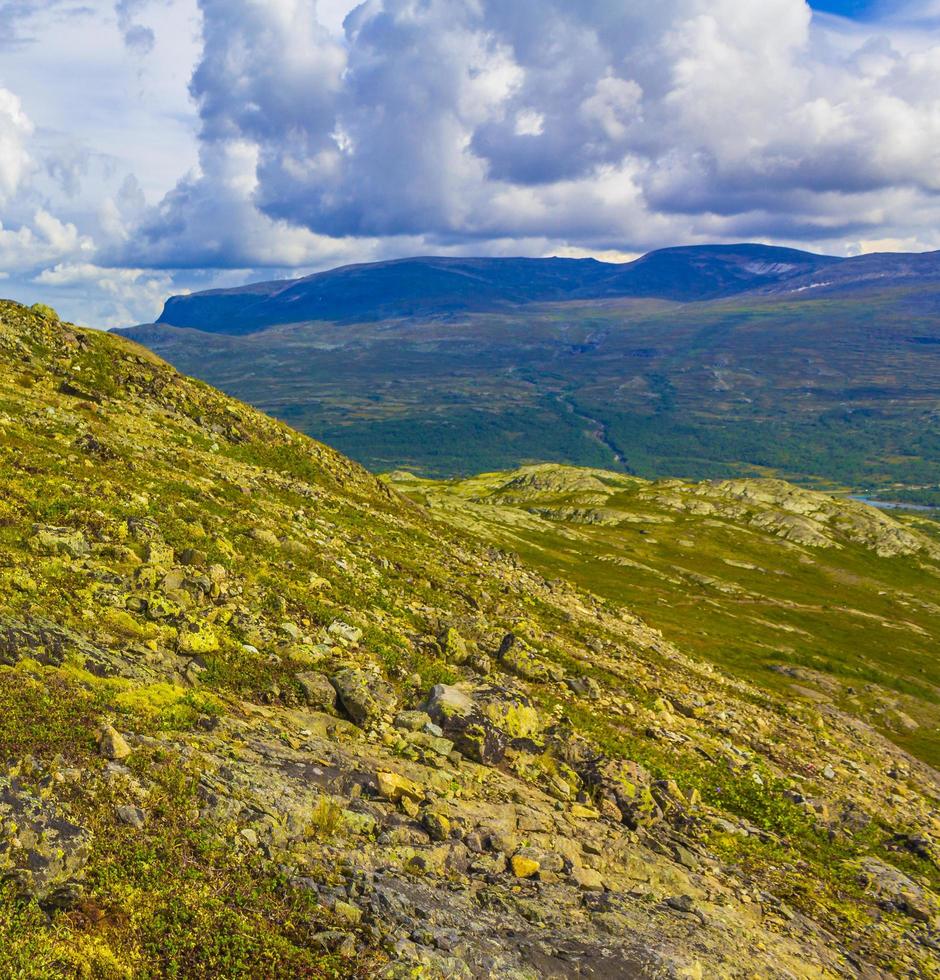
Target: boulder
(436,824)
(524,867)
(263,536)
(112,744)
(621,787)
(412,721)
(898,892)
(345,632)
(59,541)
(395,787)
(584,687)
(465,724)
(363,695)
(453,646)
(446,703)
(516,656)
(587,879)
(133,816)
(40,851)
(317,691)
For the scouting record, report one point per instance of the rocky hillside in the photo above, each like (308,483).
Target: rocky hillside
(798,591)
(262,716)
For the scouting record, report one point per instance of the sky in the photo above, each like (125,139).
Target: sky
(152,147)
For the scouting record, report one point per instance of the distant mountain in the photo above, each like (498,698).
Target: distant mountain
(429,286)
(702,362)
(695,273)
(896,269)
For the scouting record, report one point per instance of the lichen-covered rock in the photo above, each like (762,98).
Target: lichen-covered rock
(318,693)
(50,643)
(364,696)
(516,656)
(465,724)
(133,816)
(59,541)
(396,787)
(524,867)
(43,853)
(584,687)
(896,890)
(412,721)
(343,631)
(197,638)
(112,744)
(626,788)
(454,647)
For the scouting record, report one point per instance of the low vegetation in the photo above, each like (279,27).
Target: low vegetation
(262,715)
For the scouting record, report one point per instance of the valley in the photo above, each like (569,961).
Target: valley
(839,390)
(744,573)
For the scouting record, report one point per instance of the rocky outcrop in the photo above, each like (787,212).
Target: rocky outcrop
(41,852)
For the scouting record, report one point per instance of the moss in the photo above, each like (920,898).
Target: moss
(126,626)
(517,720)
(46,312)
(44,713)
(173,899)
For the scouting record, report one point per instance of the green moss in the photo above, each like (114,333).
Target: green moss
(46,312)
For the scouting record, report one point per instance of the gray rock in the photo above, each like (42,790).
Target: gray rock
(40,851)
(462,721)
(59,541)
(112,744)
(681,903)
(343,631)
(446,702)
(364,696)
(896,891)
(317,690)
(412,721)
(133,816)
(584,687)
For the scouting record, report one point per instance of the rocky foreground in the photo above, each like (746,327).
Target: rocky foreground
(261,716)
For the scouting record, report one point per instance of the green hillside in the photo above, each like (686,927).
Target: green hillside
(801,593)
(263,716)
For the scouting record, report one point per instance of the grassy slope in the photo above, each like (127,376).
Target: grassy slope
(842,389)
(150,475)
(743,597)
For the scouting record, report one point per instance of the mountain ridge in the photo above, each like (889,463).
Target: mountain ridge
(435,285)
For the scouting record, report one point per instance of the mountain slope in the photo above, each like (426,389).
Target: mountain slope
(435,286)
(741,572)
(698,273)
(263,716)
(894,269)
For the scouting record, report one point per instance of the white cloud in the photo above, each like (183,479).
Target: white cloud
(315,132)
(593,123)
(15,129)
(45,239)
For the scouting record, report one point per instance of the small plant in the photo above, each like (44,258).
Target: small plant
(326,819)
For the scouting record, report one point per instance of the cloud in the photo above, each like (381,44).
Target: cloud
(473,121)
(15,129)
(317,132)
(138,37)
